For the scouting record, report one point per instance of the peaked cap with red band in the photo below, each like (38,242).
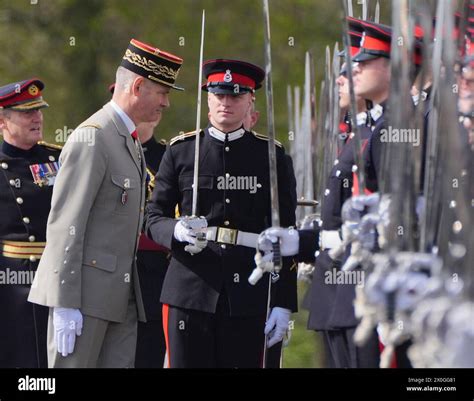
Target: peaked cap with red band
(150,62)
(23,95)
(231,76)
(355,35)
(375,42)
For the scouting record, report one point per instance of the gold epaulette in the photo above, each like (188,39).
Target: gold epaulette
(162,142)
(50,145)
(265,138)
(182,137)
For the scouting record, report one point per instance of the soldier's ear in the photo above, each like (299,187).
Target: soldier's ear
(137,85)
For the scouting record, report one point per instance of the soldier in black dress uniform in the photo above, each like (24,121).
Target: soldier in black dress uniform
(212,316)
(27,171)
(331,310)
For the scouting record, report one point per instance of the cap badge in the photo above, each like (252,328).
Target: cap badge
(228,76)
(362,40)
(33,90)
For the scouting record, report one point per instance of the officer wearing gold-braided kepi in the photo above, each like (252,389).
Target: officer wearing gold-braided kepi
(88,274)
(28,168)
(152,262)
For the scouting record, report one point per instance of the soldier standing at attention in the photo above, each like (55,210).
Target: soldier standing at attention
(28,169)
(212,316)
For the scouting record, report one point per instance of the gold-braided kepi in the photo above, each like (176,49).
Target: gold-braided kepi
(152,63)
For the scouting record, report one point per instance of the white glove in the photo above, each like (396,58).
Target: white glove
(277,325)
(264,264)
(67,324)
(192,230)
(305,272)
(288,237)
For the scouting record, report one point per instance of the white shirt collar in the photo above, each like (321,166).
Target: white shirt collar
(376,111)
(361,118)
(231,136)
(126,119)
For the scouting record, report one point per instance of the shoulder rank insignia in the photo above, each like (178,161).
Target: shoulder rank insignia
(50,145)
(265,138)
(97,126)
(182,137)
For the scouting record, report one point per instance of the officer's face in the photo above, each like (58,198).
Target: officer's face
(344,98)
(228,112)
(152,99)
(372,79)
(22,128)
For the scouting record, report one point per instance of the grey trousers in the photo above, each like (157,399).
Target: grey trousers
(102,344)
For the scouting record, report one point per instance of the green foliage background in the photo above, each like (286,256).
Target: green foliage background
(75,46)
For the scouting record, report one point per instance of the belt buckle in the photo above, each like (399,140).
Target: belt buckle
(227,235)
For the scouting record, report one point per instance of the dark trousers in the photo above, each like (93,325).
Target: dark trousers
(204,340)
(343,353)
(151,347)
(24,325)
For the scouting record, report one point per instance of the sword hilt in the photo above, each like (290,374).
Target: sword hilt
(277,261)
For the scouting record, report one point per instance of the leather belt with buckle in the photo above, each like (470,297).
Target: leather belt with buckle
(231,236)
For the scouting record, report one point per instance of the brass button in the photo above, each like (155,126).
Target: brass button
(26,220)
(32,258)
(19,200)
(12,183)
(51,158)
(226,223)
(223,246)
(94,262)
(227,149)
(31,238)
(227,200)
(227,175)
(4,166)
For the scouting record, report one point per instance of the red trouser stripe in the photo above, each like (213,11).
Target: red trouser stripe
(393,363)
(166,310)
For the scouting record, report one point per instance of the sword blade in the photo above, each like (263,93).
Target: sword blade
(198,121)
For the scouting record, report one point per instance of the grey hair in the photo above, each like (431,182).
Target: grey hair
(124,79)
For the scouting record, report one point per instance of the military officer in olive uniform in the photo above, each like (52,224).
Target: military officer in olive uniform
(212,316)
(152,262)
(88,274)
(28,169)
